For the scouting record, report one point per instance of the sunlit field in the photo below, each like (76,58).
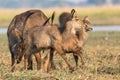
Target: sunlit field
(106,15)
(101,56)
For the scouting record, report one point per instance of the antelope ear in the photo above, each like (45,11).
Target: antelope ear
(86,18)
(72,12)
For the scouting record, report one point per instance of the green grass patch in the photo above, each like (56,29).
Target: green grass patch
(101,56)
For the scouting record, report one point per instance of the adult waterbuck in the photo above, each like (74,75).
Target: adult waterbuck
(16,29)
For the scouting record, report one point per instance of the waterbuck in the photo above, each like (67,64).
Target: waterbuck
(16,29)
(63,19)
(49,37)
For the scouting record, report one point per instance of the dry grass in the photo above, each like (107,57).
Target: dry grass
(106,15)
(101,54)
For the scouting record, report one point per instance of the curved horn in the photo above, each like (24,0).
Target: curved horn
(52,18)
(46,21)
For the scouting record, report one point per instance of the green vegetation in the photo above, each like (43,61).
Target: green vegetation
(98,15)
(101,55)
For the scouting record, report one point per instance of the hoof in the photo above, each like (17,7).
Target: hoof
(30,68)
(53,67)
(83,63)
(71,69)
(18,61)
(12,70)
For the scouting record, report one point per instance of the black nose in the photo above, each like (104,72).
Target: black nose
(91,29)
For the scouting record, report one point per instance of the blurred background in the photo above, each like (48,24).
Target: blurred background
(101,53)
(55,3)
(100,12)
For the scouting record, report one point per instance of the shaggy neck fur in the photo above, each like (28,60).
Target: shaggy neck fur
(82,37)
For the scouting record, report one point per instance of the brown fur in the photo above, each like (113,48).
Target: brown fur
(76,42)
(42,41)
(49,37)
(22,24)
(64,17)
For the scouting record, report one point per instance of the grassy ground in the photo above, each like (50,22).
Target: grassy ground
(101,55)
(105,15)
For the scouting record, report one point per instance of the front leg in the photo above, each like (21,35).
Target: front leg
(52,53)
(59,49)
(46,59)
(38,60)
(30,63)
(80,54)
(46,62)
(21,53)
(13,62)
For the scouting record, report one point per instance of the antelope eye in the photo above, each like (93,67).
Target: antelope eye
(85,25)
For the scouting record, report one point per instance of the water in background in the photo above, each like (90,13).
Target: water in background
(106,28)
(3,30)
(95,28)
